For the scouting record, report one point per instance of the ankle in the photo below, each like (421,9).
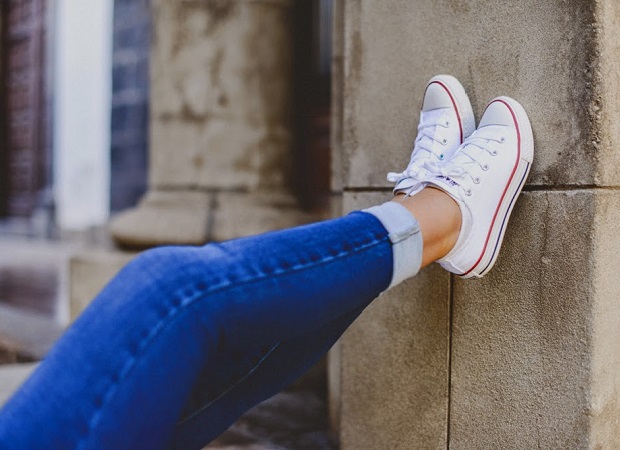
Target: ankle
(439,217)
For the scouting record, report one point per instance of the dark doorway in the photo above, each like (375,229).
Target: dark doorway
(312,24)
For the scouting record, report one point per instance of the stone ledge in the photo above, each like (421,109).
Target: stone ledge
(183,217)
(243,214)
(89,272)
(164,217)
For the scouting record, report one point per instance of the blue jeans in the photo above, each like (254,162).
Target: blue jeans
(185,339)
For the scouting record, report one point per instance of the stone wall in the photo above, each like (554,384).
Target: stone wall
(527,356)
(220,132)
(221,73)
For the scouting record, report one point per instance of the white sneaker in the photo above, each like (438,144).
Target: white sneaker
(485,176)
(446,120)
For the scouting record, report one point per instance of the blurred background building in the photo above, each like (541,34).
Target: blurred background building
(56,91)
(126,124)
(75,109)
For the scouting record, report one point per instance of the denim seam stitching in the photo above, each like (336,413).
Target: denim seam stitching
(172,313)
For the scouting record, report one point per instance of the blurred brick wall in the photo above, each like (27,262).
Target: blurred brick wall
(130,102)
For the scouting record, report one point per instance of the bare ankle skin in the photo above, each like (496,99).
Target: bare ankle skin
(439,217)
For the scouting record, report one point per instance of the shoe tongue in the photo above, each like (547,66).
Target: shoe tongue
(429,117)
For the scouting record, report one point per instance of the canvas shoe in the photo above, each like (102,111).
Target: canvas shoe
(484,177)
(446,120)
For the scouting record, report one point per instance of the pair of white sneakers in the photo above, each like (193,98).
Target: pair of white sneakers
(483,169)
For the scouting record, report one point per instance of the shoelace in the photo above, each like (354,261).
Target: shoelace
(457,168)
(422,163)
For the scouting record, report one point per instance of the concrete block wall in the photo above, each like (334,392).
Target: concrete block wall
(526,357)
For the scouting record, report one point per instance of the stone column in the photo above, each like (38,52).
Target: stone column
(220,133)
(220,130)
(529,356)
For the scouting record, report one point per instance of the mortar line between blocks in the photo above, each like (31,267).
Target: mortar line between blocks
(569,187)
(526,188)
(450,326)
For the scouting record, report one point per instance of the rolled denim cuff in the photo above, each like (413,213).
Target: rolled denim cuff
(404,233)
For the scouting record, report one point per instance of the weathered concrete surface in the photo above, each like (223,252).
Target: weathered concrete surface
(605,359)
(534,360)
(558,58)
(394,363)
(194,217)
(608,15)
(240,214)
(535,343)
(220,73)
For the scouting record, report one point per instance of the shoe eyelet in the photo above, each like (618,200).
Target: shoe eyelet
(441,157)
(502,139)
(447,123)
(485,167)
(444,142)
(477,180)
(468,192)
(494,153)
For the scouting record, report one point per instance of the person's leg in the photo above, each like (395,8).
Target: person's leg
(244,317)
(487,149)
(439,236)
(215,404)
(121,376)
